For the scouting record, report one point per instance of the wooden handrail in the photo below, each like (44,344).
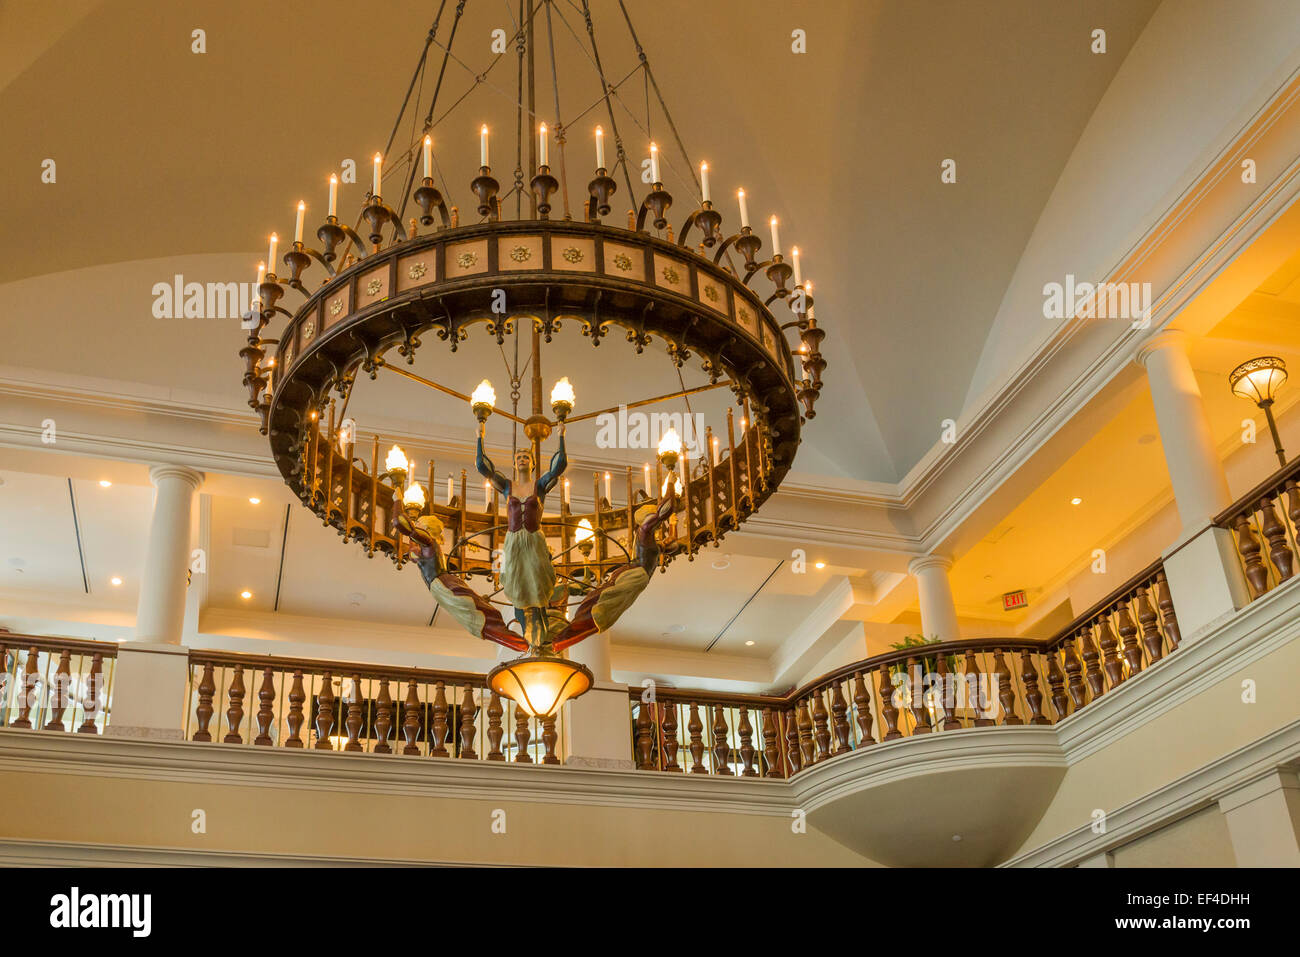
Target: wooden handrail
(10,639)
(1270,486)
(339,669)
(1123,591)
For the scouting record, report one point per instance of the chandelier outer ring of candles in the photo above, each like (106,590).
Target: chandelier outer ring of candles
(434,287)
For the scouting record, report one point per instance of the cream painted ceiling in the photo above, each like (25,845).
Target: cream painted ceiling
(170,161)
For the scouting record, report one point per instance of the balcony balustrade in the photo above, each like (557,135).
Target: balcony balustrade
(55,684)
(1264,522)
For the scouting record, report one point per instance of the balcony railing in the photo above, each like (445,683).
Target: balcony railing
(1265,521)
(922,690)
(271,701)
(56,684)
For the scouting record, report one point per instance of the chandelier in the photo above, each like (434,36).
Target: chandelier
(390,285)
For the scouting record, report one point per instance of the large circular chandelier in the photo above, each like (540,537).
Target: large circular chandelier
(389,285)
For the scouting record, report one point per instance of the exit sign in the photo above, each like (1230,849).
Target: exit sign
(1014,599)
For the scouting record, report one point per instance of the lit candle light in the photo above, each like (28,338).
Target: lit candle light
(483,146)
(704,181)
(543,144)
(776,237)
(716,453)
(566,492)
(609,497)
(487,494)
(297,226)
(379,174)
(334,194)
(798,273)
(451,490)
(744,208)
(261,274)
(428,157)
(600,148)
(270,256)
(654,164)
(647,480)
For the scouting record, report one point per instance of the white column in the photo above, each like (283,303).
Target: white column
(938,610)
(1200,487)
(597,726)
(1263,817)
(594,653)
(1205,578)
(160,614)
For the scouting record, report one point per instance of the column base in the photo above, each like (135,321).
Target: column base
(1263,818)
(598,729)
(1206,583)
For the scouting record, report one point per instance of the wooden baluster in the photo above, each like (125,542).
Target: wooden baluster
(325,713)
(793,753)
(1006,689)
(438,746)
(821,728)
(644,737)
(549,738)
(411,719)
(772,744)
(668,725)
(1128,636)
(1293,502)
(1150,623)
(467,730)
(294,720)
(747,752)
(235,713)
(693,728)
(1248,547)
(1279,551)
(1033,697)
(383,718)
(862,704)
(27,689)
(59,692)
(1091,659)
(916,700)
(265,709)
(888,712)
(494,730)
(1167,616)
(1073,674)
(356,716)
(807,749)
(1056,682)
(839,720)
(523,733)
(949,720)
(977,698)
(1110,662)
(90,695)
(207,688)
(721,746)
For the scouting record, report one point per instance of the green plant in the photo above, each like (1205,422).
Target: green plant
(929,663)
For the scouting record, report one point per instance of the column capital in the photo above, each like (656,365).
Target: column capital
(923,562)
(1165,339)
(160,473)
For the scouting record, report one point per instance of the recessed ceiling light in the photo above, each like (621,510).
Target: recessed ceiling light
(721,563)
(1076,501)
(820,565)
(956,837)
(245,595)
(115,580)
(749,643)
(104,483)
(254,500)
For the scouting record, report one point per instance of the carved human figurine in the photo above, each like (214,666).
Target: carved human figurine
(527,572)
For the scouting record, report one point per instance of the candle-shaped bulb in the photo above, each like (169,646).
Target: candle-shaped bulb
(379,174)
(608,491)
(334,194)
(744,208)
(297,226)
(428,157)
(543,142)
(451,490)
(261,273)
(487,494)
(566,492)
(798,273)
(270,256)
(600,148)
(704,182)
(654,164)
(483,146)
(716,451)
(776,237)
(647,480)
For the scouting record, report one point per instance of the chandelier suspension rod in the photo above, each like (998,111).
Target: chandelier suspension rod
(424,55)
(447,390)
(609,105)
(560,129)
(643,402)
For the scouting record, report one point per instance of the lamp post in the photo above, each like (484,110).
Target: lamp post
(1258,380)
